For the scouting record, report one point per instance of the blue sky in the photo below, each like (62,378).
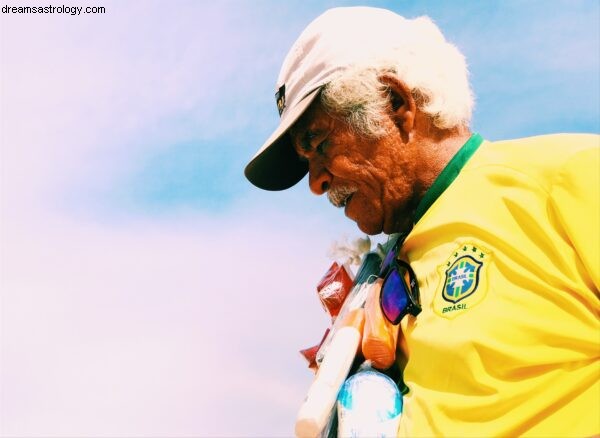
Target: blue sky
(532,64)
(147,288)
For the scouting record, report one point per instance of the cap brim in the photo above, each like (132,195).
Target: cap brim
(276,165)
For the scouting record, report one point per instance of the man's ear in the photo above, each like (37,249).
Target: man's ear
(402,104)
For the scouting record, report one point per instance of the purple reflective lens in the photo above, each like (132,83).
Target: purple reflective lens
(387,261)
(394,296)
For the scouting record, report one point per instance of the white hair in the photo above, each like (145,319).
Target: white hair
(433,69)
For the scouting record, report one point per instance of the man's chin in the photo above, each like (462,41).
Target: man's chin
(371,229)
(366,222)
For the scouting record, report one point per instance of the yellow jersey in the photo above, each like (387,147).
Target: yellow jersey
(506,250)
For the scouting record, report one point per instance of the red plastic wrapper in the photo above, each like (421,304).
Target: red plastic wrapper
(310,354)
(334,288)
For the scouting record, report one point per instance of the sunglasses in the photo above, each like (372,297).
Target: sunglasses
(400,290)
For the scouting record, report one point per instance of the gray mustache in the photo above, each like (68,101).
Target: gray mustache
(339,195)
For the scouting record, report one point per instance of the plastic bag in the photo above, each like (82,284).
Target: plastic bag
(369,404)
(334,288)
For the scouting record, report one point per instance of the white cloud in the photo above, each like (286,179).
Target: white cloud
(153,328)
(129,326)
(84,98)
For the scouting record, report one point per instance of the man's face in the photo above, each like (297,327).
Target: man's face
(374,180)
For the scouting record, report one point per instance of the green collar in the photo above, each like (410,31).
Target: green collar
(448,175)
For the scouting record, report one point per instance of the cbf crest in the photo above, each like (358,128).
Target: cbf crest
(463,280)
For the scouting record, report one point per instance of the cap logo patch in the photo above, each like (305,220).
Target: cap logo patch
(280,97)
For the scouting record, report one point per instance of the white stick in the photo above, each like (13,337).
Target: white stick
(314,412)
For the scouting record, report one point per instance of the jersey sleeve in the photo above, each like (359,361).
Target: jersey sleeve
(575,199)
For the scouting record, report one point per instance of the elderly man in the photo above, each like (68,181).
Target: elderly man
(501,238)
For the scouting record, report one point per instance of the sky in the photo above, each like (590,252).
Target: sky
(146,288)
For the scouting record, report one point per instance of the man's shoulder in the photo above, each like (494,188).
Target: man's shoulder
(563,144)
(539,156)
(541,153)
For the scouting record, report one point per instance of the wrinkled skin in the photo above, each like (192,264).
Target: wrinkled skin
(379,182)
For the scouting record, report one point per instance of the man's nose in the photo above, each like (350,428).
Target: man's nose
(319,178)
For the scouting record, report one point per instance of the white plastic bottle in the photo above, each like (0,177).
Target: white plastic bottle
(369,404)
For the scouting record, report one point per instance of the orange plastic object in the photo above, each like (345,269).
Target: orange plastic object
(379,335)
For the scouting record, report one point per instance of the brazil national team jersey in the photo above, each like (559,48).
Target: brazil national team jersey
(506,251)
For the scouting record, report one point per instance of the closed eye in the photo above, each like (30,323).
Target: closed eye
(309,139)
(322,147)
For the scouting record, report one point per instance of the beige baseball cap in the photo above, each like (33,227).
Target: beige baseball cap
(333,42)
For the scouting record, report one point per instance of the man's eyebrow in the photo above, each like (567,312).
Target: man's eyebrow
(305,142)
